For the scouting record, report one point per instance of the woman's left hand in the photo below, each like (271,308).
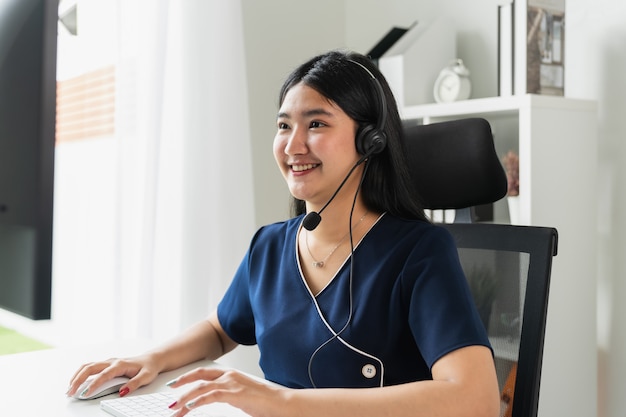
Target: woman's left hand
(255,398)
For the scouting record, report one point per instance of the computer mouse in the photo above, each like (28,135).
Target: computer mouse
(109,387)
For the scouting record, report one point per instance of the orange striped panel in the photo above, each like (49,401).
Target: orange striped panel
(86,106)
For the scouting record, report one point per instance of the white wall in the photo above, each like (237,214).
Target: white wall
(596,59)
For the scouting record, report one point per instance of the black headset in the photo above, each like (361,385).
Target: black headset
(371,139)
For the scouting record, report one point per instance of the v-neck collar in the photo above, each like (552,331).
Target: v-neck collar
(301,273)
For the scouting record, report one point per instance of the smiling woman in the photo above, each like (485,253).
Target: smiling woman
(376,300)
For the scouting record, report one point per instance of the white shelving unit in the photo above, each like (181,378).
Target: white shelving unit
(556,139)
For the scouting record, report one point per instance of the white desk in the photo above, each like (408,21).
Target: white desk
(34,384)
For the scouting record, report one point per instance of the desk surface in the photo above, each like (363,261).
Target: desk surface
(34,383)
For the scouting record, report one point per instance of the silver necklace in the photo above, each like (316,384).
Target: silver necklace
(320,264)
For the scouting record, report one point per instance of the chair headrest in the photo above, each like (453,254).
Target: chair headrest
(454,164)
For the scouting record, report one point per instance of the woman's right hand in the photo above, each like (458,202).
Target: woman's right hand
(205,339)
(140,369)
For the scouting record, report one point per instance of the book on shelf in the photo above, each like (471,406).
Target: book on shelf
(539,44)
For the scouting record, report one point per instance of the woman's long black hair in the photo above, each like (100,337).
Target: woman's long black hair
(337,76)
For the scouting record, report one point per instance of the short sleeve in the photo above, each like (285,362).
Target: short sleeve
(234,310)
(442,314)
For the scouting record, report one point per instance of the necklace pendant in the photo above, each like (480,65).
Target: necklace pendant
(318,264)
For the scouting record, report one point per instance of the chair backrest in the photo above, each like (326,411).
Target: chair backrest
(508,267)
(454,164)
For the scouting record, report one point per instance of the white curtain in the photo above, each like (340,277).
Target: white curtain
(185,209)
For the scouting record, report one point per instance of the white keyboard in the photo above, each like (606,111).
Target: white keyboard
(155,405)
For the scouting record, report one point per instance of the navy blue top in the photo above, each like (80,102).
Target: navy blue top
(411,306)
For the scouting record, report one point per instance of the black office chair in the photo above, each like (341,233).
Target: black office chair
(455,166)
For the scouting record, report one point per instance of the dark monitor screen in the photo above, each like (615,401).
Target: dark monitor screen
(28,48)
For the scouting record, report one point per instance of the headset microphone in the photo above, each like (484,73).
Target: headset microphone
(312,219)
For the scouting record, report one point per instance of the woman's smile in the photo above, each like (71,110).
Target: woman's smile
(301,168)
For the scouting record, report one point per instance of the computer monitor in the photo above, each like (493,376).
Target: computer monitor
(28,53)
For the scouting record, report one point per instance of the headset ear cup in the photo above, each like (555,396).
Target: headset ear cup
(378,142)
(363,139)
(370,140)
